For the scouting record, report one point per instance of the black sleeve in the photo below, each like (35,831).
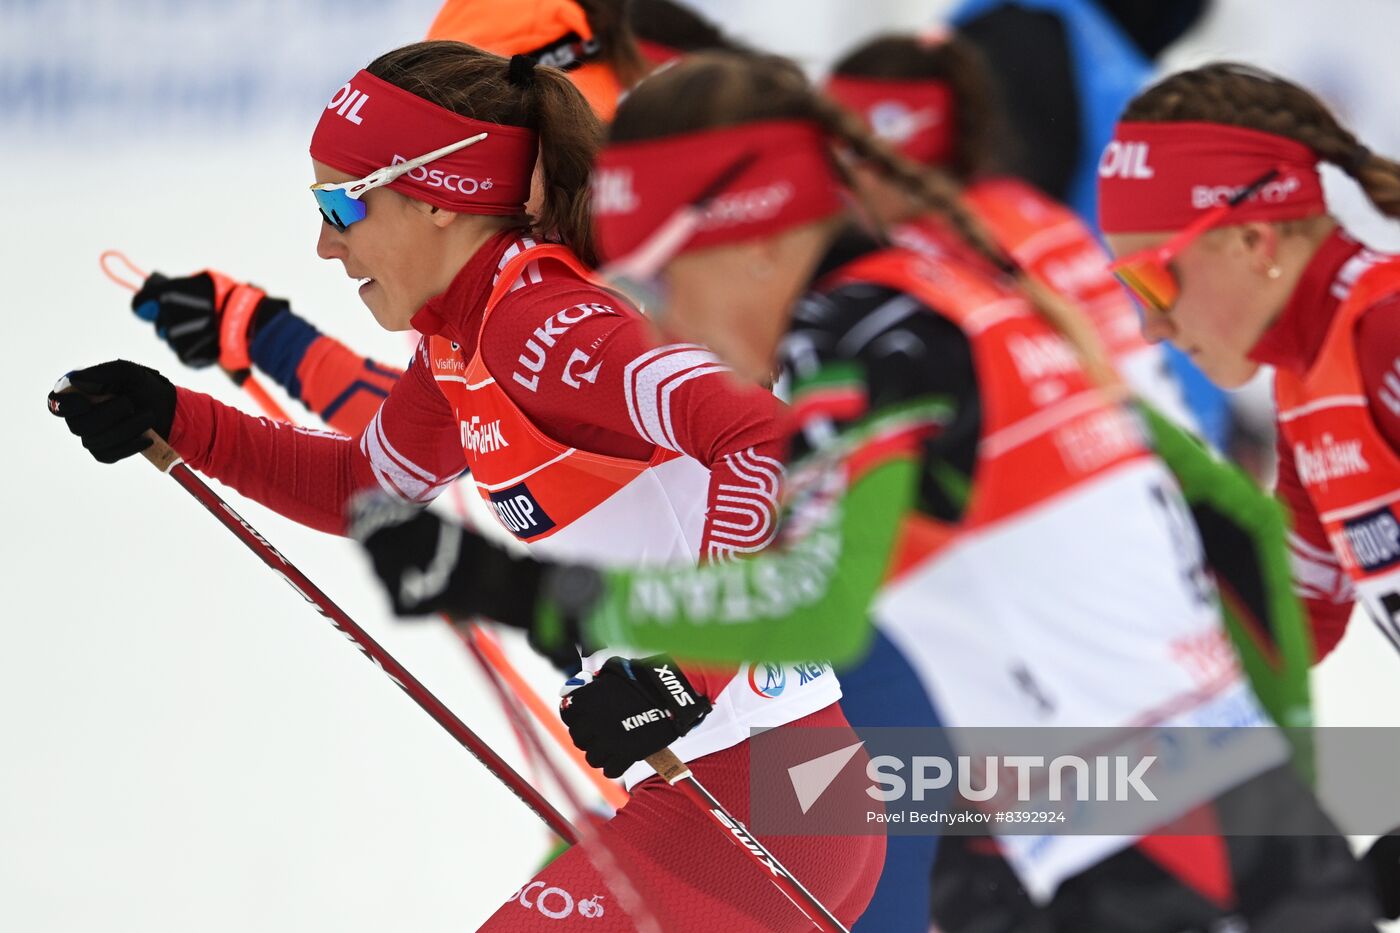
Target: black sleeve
(903,351)
(1028,52)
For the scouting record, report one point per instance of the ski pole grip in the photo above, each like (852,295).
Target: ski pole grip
(160,454)
(668,765)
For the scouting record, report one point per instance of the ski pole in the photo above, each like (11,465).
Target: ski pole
(164,458)
(595,849)
(674,772)
(485,645)
(488,651)
(508,706)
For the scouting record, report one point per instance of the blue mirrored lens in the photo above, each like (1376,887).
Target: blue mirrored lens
(339,209)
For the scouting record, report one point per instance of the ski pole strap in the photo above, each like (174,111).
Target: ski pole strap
(118,276)
(239,302)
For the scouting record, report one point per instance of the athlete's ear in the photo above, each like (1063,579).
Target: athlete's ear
(762,257)
(1261,243)
(439,216)
(766,254)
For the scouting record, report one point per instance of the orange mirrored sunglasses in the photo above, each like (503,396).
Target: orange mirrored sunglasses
(1148,273)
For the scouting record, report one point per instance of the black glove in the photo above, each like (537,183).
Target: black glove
(206,318)
(629,710)
(113,406)
(1383,859)
(429,564)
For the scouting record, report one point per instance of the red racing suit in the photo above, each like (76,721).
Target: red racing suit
(1336,348)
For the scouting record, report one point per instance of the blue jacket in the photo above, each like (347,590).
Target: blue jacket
(1108,71)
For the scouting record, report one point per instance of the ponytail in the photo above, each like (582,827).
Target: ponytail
(676,26)
(569,138)
(1378,177)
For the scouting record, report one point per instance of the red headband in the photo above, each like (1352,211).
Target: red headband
(1161,176)
(789,180)
(370,123)
(915,117)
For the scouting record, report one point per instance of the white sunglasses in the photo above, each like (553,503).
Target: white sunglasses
(340,203)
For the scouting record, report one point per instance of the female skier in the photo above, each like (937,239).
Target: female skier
(1004,523)
(586,438)
(1211,198)
(1215,210)
(933,98)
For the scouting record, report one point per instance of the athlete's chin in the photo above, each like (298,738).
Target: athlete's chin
(746,367)
(1227,374)
(749,376)
(386,313)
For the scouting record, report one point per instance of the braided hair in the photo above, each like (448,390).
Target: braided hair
(709,90)
(1252,98)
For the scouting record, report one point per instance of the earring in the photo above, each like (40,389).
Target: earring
(1274,272)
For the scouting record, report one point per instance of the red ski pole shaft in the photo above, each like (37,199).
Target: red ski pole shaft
(165,459)
(594,847)
(246,381)
(675,773)
(484,646)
